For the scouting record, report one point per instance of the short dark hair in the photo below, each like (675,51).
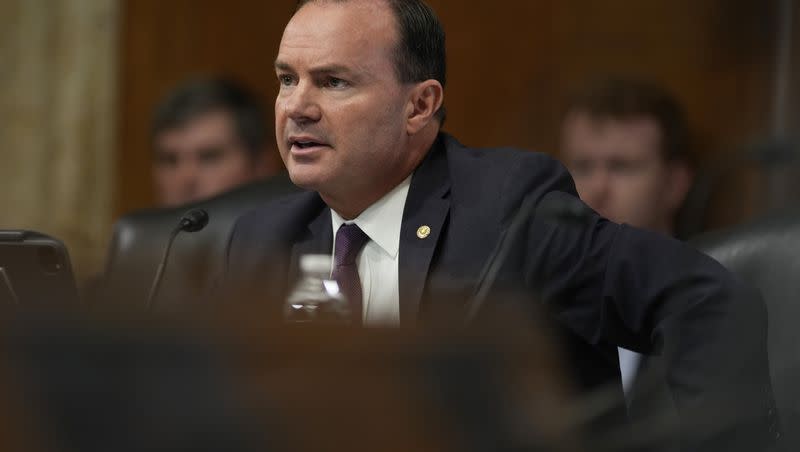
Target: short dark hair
(201,96)
(420,53)
(623,98)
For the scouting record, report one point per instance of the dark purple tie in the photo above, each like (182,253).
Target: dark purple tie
(349,241)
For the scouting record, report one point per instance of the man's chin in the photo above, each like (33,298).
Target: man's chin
(305,180)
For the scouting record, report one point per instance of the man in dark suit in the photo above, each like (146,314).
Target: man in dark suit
(411,217)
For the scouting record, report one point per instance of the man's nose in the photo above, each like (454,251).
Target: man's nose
(186,179)
(301,104)
(594,189)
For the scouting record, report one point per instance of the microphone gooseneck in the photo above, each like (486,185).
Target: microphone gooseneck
(192,221)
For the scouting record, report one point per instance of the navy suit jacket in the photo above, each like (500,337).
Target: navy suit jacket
(607,284)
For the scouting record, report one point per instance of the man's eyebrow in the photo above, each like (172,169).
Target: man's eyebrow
(331,69)
(326,69)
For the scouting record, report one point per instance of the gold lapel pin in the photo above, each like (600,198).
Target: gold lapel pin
(423,231)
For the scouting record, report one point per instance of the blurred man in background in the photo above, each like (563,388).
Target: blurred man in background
(209,136)
(626,145)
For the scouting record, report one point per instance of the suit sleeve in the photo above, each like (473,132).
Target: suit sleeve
(616,284)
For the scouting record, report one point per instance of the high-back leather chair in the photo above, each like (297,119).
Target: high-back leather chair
(195,261)
(766,254)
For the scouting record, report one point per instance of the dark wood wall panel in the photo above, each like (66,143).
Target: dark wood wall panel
(165,42)
(511,64)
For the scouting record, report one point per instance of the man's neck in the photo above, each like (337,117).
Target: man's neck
(665,228)
(351,206)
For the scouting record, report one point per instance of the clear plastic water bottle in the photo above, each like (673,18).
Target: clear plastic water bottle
(316,296)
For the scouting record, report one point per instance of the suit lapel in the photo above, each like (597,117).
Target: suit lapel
(317,240)
(427,207)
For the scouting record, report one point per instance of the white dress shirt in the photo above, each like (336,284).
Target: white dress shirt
(628,367)
(378,261)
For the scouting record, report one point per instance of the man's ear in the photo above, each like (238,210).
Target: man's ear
(424,101)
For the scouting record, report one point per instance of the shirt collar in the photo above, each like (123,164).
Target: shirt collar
(382,220)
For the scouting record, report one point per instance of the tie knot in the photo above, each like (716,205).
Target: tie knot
(349,241)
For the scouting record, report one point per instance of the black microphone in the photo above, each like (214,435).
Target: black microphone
(192,221)
(556,206)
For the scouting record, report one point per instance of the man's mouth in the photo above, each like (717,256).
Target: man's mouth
(306,145)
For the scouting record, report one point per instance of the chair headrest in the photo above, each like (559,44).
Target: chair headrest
(139,239)
(766,254)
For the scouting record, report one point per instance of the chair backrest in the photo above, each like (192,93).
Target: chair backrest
(766,254)
(195,260)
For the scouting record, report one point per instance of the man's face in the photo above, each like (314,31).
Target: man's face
(200,159)
(340,112)
(619,170)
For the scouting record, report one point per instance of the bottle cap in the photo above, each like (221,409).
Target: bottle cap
(315,263)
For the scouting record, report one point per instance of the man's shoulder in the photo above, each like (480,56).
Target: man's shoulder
(280,216)
(513,167)
(501,159)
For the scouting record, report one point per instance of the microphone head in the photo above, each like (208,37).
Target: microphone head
(194,220)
